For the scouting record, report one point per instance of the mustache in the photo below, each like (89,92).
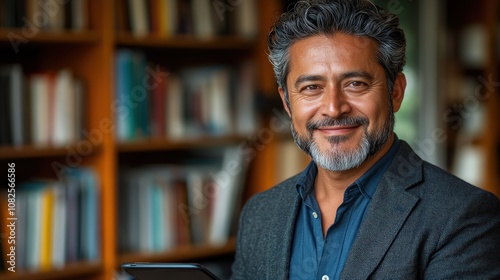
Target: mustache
(343,121)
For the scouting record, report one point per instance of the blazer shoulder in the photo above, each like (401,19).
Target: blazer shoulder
(272,203)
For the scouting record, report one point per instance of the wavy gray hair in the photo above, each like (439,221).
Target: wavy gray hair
(353,17)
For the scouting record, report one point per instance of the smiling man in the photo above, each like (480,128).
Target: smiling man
(366,207)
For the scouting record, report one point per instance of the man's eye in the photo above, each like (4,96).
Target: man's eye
(357,84)
(311,87)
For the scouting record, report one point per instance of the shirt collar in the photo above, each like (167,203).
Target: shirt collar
(367,183)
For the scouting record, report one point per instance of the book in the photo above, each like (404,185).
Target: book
(79,15)
(13,77)
(124,83)
(229,181)
(64,112)
(138,16)
(203,26)
(47,221)
(40,92)
(174,109)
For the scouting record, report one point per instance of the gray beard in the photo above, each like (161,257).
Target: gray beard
(338,159)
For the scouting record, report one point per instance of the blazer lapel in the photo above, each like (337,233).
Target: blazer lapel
(387,212)
(281,234)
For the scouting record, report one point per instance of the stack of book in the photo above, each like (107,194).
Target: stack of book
(50,15)
(200,18)
(163,207)
(211,100)
(57,221)
(42,109)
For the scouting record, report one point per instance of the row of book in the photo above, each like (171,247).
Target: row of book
(200,18)
(212,100)
(50,15)
(57,222)
(42,109)
(166,206)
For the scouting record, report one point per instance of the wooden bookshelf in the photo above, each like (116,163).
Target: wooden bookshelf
(472,61)
(90,54)
(70,271)
(59,37)
(181,254)
(166,145)
(30,151)
(186,42)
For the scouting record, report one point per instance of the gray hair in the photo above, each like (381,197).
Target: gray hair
(352,17)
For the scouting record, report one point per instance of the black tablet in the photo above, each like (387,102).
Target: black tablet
(170,271)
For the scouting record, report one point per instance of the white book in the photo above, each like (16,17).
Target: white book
(64,109)
(246,19)
(290,160)
(230,183)
(138,16)
(39,91)
(202,18)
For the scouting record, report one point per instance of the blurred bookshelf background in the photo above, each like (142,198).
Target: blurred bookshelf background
(138,128)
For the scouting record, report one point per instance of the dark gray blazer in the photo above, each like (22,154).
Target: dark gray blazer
(422,223)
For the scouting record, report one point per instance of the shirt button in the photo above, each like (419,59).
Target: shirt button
(325,277)
(315,215)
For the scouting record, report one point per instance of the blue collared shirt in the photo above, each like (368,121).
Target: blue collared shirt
(315,256)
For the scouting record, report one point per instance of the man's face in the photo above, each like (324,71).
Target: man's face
(339,101)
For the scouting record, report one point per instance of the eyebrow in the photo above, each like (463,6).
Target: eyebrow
(320,78)
(308,78)
(357,74)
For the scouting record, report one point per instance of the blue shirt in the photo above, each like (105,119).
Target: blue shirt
(315,256)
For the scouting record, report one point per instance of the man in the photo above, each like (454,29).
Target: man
(366,207)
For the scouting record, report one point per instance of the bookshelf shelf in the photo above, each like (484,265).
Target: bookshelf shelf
(26,152)
(186,42)
(70,271)
(183,253)
(59,37)
(165,145)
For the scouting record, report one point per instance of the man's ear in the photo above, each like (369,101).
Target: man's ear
(398,92)
(283,100)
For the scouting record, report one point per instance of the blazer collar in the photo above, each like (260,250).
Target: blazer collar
(387,212)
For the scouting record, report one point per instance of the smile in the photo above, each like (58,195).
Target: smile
(337,130)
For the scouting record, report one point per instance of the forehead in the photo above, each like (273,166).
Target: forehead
(335,52)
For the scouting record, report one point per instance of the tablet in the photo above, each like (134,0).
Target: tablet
(171,271)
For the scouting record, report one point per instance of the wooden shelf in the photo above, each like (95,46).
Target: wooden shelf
(165,144)
(59,37)
(184,253)
(185,42)
(70,271)
(31,151)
